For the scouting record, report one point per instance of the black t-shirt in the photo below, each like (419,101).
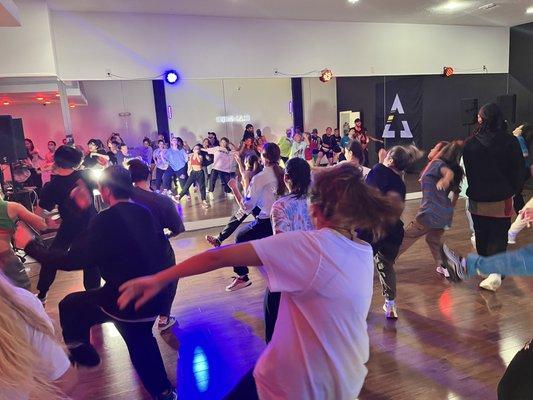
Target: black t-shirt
(386,180)
(207,159)
(125,243)
(57,193)
(248,135)
(112,157)
(89,162)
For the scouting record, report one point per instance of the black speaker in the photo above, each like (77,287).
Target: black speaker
(469,109)
(18,138)
(507,103)
(7,150)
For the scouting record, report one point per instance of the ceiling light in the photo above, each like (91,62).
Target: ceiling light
(488,6)
(40,98)
(352,1)
(57,95)
(47,102)
(72,106)
(6,103)
(529,10)
(452,6)
(325,75)
(171,76)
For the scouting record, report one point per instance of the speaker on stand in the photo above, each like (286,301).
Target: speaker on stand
(469,110)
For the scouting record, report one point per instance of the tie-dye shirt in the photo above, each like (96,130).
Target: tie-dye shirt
(291,214)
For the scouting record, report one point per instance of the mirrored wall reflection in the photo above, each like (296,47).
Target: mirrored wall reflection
(32,106)
(117,112)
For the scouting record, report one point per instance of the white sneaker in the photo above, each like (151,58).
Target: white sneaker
(390,309)
(443,271)
(492,282)
(473,241)
(205,204)
(165,322)
(211,195)
(511,238)
(239,282)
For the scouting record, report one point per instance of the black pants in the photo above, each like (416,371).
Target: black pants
(79,311)
(170,175)
(491,234)
(224,178)
(518,199)
(158,178)
(66,235)
(385,254)
(206,176)
(246,389)
(516,383)
(270,308)
(195,177)
(234,222)
(257,229)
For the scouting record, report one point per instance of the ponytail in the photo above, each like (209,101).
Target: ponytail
(404,156)
(272,153)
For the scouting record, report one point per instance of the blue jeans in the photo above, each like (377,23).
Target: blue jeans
(518,262)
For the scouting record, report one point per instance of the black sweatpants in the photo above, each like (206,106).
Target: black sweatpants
(257,229)
(516,383)
(385,255)
(245,389)
(270,309)
(197,177)
(224,178)
(170,175)
(79,311)
(234,222)
(491,234)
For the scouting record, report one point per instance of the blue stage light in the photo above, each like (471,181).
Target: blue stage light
(171,76)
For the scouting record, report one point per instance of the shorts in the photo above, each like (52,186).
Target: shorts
(327,152)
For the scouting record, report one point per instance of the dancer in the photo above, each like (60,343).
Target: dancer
(99,249)
(33,162)
(524,134)
(298,146)
(176,157)
(33,363)
(494,169)
(207,160)
(387,177)
(161,163)
(10,263)
(248,133)
(264,188)
(326,291)
(212,136)
(196,175)
(249,169)
(97,156)
(353,153)
(289,213)
(73,221)
(147,151)
(115,156)
(326,147)
(222,165)
(48,165)
(441,176)
(285,143)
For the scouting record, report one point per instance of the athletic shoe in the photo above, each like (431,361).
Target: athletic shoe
(473,241)
(171,395)
(84,355)
(213,241)
(205,204)
(455,265)
(42,298)
(511,238)
(443,271)
(230,195)
(187,197)
(165,322)
(492,282)
(390,309)
(211,195)
(239,282)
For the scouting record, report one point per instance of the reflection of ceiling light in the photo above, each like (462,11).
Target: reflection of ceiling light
(72,106)
(47,102)
(40,98)
(352,1)
(325,75)
(6,103)
(529,10)
(489,6)
(57,95)
(452,6)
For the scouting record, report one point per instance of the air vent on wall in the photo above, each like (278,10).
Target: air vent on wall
(489,6)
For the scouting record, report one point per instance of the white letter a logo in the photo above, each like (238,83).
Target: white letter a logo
(405,133)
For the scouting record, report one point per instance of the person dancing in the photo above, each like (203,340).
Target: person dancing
(326,291)
(196,175)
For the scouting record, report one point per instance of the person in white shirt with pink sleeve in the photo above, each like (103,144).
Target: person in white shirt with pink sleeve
(320,343)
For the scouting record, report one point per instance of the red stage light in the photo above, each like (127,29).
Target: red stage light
(447,72)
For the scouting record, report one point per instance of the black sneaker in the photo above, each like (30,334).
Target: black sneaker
(42,298)
(84,355)
(455,264)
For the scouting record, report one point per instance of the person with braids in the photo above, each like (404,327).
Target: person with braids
(33,363)
(320,343)
(289,213)
(387,177)
(264,189)
(441,176)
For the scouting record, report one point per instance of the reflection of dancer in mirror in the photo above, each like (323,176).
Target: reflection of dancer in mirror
(196,175)
(222,165)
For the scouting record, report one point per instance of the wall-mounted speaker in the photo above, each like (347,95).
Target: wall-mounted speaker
(469,109)
(7,150)
(507,103)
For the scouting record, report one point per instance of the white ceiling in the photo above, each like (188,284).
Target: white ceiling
(508,12)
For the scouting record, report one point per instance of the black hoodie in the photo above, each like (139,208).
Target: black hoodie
(494,166)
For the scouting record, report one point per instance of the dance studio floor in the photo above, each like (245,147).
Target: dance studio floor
(450,342)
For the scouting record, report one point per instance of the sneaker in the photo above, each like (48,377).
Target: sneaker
(84,355)
(443,271)
(205,204)
(170,395)
(239,282)
(165,322)
(455,265)
(511,238)
(492,282)
(211,195)
(473,241)
(213,241)
(42,298)
(390,309)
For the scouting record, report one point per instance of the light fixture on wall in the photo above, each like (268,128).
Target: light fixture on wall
(171,76)
(40,98)
(325,75)
(529,10)
(447,72)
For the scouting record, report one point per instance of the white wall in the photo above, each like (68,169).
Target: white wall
(135,45)
(27,50)
(319,104)
(197,103)
(106,99)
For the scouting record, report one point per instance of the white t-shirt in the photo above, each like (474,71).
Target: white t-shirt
(320,343)
(54,358)
(261,193)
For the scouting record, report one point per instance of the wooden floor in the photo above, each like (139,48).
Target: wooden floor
(450,342)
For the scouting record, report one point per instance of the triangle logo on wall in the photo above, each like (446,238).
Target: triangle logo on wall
(405,132)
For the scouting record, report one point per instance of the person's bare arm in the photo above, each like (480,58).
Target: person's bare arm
(143,289)
(68,380)
(22,213)
(446,180)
